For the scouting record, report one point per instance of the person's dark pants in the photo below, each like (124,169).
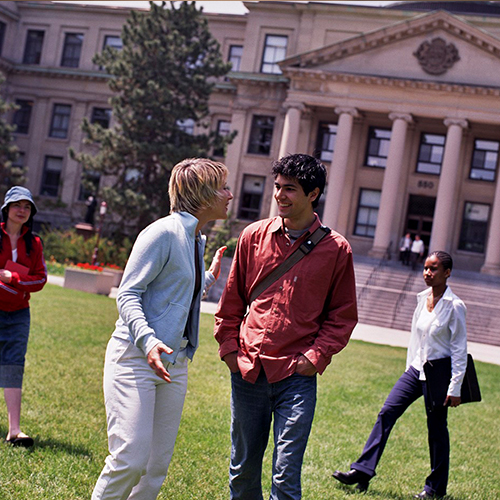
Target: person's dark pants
(407,390)
(405,257)
(414,259)
(291,403)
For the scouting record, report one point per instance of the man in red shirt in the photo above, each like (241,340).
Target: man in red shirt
(289,334)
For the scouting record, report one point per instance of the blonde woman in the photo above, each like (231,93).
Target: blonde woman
(145,373)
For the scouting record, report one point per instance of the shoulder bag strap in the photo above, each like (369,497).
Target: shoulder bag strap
(286,265)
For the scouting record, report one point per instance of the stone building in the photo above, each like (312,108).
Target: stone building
(401,103)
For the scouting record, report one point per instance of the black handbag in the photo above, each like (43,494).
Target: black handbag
(438,376)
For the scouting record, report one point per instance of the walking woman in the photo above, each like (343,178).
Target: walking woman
(438,330)
(146,366)
(22,271)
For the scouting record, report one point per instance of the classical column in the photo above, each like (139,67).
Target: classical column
(338,168)
(492,260)
(388,210)
(234,150)
(289,138)
(444,213)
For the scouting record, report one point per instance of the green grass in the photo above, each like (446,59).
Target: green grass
(63,410)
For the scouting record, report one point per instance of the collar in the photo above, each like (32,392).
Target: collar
(278,224)
(189,221)
(24,229)
(447,295)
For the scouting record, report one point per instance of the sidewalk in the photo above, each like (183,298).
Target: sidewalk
(398,338)
(368,333)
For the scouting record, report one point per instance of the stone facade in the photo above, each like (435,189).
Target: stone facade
(401,105)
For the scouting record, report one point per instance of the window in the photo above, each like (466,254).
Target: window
(430,154)
(187,126)
(33,48)
(51,176)
(22,116)
(378,147)
(72,50)
(474,227)
(366,217)
(235,54)
(274,52)
(60,121)
(102,116)
(3,29)
(251,197)
(261,135)
(113,41)
(223,129)
(325,144)
(484,160)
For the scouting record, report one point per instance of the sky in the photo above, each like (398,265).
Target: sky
(226,7)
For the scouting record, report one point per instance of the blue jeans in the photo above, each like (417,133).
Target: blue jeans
(406,391)
(14,334)
(292,402)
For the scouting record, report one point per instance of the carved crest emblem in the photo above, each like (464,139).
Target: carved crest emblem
(436,57)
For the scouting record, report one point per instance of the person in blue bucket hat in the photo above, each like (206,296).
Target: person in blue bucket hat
(22,271)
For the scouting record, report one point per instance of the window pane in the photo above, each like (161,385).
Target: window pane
(22,116)
(33,48)
(484,160)
(60,121)
(379,141)
(325,143)
(474,227)
(72,49)
(223,129)
(102,116)
(235,55)
(274,52)
(367,213)
(261,135)
(51,176)
(3,29)
(251,197)
(113,41)
(430,154)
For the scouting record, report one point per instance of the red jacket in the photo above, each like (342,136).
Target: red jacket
(15,295)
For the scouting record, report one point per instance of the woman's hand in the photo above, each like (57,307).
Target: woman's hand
(452,401)
(155,362)
(5,276)
(216,261)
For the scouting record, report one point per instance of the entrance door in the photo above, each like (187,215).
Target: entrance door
(420,216)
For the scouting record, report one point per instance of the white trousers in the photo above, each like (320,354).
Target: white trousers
(143,413)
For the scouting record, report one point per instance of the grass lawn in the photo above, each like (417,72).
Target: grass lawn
(63,410)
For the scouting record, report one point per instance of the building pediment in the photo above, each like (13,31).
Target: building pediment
(434,47)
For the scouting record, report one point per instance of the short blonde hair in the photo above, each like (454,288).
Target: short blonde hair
(195,184)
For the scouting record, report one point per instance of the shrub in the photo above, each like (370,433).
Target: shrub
(65,246)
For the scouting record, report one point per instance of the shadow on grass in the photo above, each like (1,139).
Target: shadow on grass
(52,444)
(373,492)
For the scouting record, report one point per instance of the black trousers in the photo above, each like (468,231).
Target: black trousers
(407,390)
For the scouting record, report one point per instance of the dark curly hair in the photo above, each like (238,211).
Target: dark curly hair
(309,172)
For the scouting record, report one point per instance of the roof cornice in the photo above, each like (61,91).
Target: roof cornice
(300,74)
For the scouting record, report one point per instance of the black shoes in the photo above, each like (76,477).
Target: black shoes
(425,495)
(352,477)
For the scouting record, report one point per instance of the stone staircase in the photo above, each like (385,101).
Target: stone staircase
(387,297)
(386,292)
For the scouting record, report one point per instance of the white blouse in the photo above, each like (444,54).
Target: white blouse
(439,334)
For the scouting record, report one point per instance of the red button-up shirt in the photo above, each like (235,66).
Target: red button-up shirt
(310,310)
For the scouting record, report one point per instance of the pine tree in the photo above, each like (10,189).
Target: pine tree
(161,79)
(10,174)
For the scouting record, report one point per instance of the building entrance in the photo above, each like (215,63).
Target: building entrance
(420,216)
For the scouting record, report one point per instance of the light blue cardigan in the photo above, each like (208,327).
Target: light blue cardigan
(157,287)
